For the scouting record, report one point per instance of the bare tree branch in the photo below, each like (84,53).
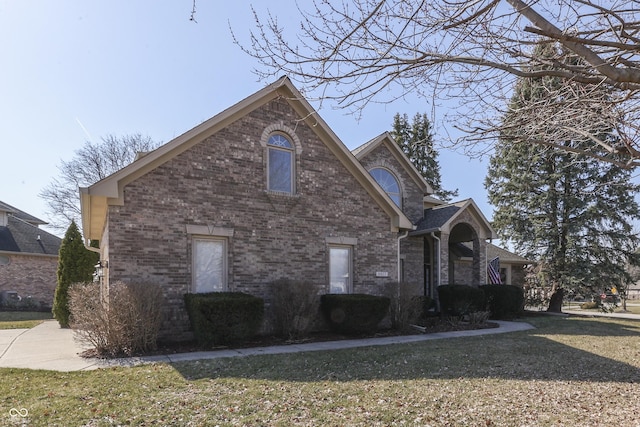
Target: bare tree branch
(362,51)
(90,164)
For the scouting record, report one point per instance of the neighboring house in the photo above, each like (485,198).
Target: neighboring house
(265,190)
(633,291)
(28,257)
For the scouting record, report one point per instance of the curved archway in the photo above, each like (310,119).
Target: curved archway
(464,265)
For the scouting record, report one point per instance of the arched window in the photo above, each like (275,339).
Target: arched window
(280,164)
(389,184)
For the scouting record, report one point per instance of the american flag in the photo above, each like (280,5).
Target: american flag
(493,269)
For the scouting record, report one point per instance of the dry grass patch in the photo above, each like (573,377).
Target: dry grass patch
(22,319)
(576,371)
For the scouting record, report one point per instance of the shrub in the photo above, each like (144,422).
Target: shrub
(75,264)
(18,303)
(295,305)
(224,317)
(589,305)
(354,314)
(460,300)
(128,324)
(478,317)
(407,305)
(504,301)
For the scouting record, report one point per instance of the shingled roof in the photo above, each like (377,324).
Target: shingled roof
(20,214)
(21,234)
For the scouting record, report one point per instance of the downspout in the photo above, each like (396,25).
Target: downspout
(406,234)
(91,248)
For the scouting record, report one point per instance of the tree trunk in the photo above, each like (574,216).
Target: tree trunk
(555,303)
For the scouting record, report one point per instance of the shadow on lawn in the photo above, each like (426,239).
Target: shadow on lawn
(553,352)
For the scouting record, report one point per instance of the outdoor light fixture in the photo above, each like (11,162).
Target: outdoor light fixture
(100,267)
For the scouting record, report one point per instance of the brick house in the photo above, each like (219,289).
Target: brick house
(28,257)
(265,190)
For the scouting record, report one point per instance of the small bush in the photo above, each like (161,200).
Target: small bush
(295,305)
(128,324)
(219,318)
(589,305)
(407,305)
(460,300)
(354,314)
(478,317)
(22,304)
(504,301)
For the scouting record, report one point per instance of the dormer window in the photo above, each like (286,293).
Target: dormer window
(389,184)
(280,164)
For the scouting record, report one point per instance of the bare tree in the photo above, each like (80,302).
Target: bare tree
(91,163)
(470,51)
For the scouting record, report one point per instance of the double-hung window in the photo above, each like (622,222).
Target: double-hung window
(209,264)
(280,164)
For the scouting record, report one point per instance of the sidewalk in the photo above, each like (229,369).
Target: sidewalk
(47,346)
(591,313)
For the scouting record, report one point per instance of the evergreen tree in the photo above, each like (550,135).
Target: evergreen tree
(416,141)
(75,264)
(570,212)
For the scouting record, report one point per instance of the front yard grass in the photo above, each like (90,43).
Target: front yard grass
(22,319)
(567,371)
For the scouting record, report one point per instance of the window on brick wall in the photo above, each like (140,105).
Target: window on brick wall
(340,269)
(209,264)
(280,164)
(389,184)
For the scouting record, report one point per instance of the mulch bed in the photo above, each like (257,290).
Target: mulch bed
(323,336)
(434,325)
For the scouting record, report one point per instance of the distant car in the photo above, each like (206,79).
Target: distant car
(610,297)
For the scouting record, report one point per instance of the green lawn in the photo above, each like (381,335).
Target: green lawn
(567,372)
(22,319)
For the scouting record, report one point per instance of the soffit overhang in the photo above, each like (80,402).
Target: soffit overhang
(96,198)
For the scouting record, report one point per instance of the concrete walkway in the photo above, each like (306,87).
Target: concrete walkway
(47,346)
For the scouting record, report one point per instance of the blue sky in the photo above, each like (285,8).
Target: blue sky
(72,71)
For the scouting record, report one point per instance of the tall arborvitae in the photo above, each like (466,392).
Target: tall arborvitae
(416,141)
(571,213)
(76,264)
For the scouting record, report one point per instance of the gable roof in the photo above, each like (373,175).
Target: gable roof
(440,218)
(387,140)
(505,256)
(21,236)
(95,199)
(5,207)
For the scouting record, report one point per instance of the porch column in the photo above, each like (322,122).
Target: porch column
(480,262)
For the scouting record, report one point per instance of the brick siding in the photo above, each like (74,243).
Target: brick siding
(220,183)
(30,275)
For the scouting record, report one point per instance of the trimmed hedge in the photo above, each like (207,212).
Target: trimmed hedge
(224,317)
(504,301)
(460,300)
(353,314)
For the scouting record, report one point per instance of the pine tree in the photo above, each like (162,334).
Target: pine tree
(416,142)
(75,264)
(570,212)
